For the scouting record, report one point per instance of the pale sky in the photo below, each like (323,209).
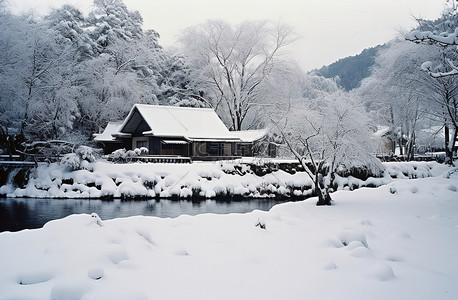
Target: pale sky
(328,29)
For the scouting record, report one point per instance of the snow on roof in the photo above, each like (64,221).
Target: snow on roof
(382,130)
(249,136)
(107,134)
(187,122)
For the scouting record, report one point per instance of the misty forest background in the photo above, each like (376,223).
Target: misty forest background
(67,74)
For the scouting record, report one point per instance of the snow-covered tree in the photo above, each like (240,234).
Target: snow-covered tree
(53,116)
(443,34)
(111,20)
(108,92)
(36,64)
(326,134)
(11,50)
(396,93)
(234,64)
(73,26)
(67,71)
(315,86)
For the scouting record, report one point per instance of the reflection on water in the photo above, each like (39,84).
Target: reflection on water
(18,214)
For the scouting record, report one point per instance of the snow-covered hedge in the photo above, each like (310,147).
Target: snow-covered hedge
(199,180)
(123,155)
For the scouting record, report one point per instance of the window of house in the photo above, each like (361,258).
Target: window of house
(141,144)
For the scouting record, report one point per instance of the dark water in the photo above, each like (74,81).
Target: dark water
(30,213)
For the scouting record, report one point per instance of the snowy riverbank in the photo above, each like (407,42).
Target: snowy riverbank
(398,241)
(200,180)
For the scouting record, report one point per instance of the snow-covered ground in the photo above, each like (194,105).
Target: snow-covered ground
(398,241)
(102,179)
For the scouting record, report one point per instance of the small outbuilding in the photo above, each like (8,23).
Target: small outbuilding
(181,131)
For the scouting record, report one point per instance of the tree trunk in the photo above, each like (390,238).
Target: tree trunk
(323,198)
(448,149)
(323,195)
(410,147)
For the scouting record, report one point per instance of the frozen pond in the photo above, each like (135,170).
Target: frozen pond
(29,213)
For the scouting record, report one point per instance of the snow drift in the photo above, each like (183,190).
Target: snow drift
(373,244)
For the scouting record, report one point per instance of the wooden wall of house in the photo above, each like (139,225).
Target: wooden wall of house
(154,146)
(175,149)
(243,149)
(110,147)
(211,149)
(199,149)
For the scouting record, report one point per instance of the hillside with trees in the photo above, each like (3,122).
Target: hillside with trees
(351,70)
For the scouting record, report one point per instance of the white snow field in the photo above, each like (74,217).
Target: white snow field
(398,241)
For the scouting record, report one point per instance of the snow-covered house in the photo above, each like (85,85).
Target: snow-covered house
(106,138)
(180,131)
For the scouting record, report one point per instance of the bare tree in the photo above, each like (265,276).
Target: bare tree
(234,64)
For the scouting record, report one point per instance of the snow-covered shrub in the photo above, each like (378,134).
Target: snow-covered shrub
(393,190)
(143,150)
(87,153)
(71,160)
(96,220)
(261,224)
(130,154)
(119,154)
(123,155)
(80,159)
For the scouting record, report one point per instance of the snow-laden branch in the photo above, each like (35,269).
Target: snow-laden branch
(428,37)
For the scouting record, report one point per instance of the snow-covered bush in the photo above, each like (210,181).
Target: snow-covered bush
(123,155)
(261,224)
(80,159)
(119,154)
(71,160)
(87,153)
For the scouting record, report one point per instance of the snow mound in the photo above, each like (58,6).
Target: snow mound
(381,271)
(117,255)
(35,278)
(330,266)
(96,273)
(360,252)
(451,187)
(70,290)
(348,237)
(195,257)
